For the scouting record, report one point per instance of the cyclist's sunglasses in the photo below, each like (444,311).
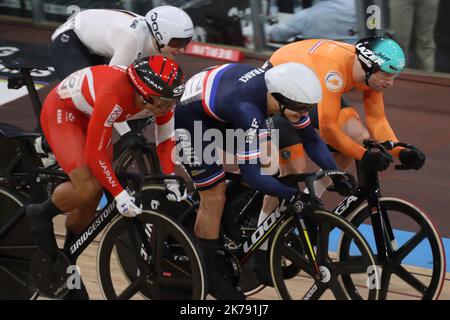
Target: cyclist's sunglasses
(295,106)
(179,43)
(300,107)
(159,102)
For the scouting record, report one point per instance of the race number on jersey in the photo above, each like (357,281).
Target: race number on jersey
(194,87)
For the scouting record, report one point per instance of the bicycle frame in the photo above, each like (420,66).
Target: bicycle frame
(369,190)
(265,229)
(82,241)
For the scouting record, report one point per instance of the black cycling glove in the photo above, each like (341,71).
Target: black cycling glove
(344,185)
(299,200)
(374,160)
(412,159)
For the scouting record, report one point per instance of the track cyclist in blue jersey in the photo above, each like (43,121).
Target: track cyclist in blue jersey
(241,98)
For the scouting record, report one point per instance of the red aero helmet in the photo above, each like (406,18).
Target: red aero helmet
(157,76)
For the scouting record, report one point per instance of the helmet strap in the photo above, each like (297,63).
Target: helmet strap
(366,78)
(282,110)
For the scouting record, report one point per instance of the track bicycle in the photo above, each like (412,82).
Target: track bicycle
(26,272)
(299,237)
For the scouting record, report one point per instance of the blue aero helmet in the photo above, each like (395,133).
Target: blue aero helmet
(380,54)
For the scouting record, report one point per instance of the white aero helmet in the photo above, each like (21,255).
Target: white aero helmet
(170,26)
(295,86)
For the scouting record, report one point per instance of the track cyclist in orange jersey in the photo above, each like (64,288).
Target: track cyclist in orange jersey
(370,67)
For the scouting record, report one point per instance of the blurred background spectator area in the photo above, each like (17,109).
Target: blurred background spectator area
(230,22)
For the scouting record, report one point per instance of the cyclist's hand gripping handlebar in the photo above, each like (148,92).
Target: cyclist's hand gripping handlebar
(411,157)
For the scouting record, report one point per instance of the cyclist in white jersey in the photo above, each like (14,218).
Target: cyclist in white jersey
(118,37)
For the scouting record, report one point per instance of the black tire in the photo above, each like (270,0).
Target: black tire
(287,245)
(15,276)
(174,272)
(425,285)
(143,161)
(154,198)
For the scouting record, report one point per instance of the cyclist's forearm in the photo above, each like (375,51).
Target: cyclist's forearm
(316,149)
(165,142)
(164,151)
(102,170)
(340,141)
(265,183)
(381,130)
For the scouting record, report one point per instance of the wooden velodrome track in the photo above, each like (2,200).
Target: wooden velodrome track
(417,108)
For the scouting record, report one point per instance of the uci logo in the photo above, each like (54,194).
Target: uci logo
(155,27)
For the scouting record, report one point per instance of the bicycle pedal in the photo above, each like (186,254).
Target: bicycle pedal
(50,273)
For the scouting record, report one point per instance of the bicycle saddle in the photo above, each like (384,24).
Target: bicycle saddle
(20,64)
(11,131)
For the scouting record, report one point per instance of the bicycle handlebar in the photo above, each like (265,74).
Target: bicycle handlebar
(310,177)
(387,145)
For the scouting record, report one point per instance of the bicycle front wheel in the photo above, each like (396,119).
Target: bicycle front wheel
(416,265)
(163,256)
(324,229)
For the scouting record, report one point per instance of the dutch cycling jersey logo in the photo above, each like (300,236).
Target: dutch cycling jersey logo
(334,81)
(113,116)
(367,56)
(107,173)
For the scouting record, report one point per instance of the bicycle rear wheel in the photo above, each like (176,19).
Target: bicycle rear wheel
(288,249)
(165,259)
(417,260)
(143,161)
(16,250)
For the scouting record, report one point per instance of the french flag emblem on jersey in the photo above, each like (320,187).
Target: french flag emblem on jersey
(210,85)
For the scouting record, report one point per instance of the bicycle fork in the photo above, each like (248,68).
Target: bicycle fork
(305,238)
(385,243)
